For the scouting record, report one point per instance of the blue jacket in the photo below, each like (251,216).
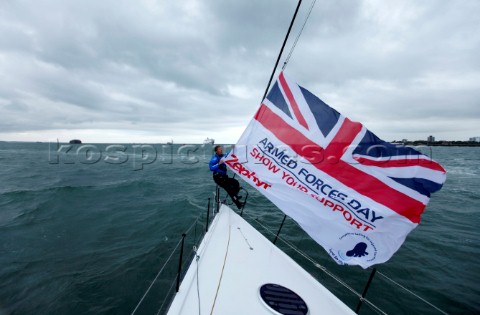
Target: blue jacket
(215,167)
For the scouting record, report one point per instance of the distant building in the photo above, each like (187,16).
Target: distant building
(431,139)
(474,139)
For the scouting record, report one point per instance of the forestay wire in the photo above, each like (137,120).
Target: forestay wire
(285,42)
(412,293)
(324,269)
(163,267)
(298,36)
(281,49)
(372,306)
(155,279)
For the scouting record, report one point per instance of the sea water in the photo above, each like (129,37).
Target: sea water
(85,231)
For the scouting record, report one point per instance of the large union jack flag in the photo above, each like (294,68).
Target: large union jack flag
(362,185)
(351,153)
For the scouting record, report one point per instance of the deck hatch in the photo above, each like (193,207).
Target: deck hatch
(283,300)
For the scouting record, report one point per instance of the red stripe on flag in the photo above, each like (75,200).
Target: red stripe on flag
(401,163)
(365,184)
(292,101)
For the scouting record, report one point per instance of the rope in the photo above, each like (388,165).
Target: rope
(316,264)
(281,49)
(293,247)
(198,281)
(223,268)
(246,240)
(156,277)
(298,36)
(166,296)
(324,269)
(413,293)
(163,267)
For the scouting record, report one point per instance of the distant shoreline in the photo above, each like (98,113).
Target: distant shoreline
(440,143)
(411,143)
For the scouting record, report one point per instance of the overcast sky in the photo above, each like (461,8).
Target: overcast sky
(151,71)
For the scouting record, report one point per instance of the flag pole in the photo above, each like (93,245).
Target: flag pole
(281,50)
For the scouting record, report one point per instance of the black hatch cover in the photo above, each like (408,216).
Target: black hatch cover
(283,300)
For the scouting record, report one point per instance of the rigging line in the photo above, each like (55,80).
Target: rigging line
(166,296)
(163,267)
(376,309)
(246,240)
(193,224)
(281,50)
(197,257)
(413,293)
(223,268)
(156,277)
(298,36)
(316,264)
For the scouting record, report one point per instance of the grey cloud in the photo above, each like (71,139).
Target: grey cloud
(168,67)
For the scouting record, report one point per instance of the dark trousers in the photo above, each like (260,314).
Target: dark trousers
(231,185)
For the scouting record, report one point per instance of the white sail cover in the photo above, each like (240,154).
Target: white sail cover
(354,194)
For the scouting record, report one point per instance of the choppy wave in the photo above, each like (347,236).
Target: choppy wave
(82,239)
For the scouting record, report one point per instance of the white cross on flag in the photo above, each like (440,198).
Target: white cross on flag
(355,194)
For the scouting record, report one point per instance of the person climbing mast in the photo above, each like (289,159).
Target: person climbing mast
(220,177)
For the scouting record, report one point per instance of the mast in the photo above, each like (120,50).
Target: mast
(281,50)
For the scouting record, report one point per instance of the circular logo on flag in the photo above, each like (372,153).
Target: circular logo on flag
(356,245)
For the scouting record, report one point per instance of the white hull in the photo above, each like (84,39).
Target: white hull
(235,260)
